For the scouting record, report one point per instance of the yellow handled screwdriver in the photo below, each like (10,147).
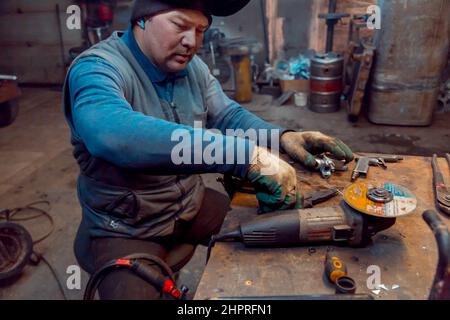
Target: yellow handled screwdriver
(336,272)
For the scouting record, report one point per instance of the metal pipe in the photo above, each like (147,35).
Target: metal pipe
(266,37)
(7,77)
(332,5)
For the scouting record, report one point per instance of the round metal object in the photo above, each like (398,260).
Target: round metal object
(326,82)
(345,285)
(380,195)
(447,197)
(403,201)
(325,166)
(16,247)
(325,103)
(327,65)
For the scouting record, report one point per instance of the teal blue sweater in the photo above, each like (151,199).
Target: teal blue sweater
(98,106)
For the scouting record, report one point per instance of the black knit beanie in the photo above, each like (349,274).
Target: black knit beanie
(144,8)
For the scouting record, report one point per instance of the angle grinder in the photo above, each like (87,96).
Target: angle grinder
(366,210)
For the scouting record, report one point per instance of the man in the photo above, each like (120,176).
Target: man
(124,99)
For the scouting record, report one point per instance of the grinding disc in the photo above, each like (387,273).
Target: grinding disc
(400,201)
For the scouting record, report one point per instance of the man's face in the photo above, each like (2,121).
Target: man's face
(172,38)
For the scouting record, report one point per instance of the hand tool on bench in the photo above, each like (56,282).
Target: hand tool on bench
(327,165)
(364,163)
(336,272)
(441,191)
(310,201)
(366,210)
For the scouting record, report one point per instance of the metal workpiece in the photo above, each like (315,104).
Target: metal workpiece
(364,163)
(441,190)
(327,166)
(411,53)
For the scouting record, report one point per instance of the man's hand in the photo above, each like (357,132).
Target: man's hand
(275,182)
(302,146)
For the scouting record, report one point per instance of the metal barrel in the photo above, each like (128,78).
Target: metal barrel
(326,82)
(412,47)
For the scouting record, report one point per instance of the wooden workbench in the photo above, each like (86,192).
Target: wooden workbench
(406,253)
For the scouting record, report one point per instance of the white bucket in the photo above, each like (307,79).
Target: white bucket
(301,99)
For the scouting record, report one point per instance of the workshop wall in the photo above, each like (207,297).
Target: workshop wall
(318,30)
(293,26)
(30,45)
(287,23)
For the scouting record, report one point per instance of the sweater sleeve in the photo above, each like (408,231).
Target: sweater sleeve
(111,130)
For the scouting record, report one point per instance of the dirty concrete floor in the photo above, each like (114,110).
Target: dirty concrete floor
(37,164)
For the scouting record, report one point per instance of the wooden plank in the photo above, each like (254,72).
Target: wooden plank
(352,7)
(406,253)
(318,28)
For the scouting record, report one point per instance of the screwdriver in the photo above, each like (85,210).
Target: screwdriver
(336,272)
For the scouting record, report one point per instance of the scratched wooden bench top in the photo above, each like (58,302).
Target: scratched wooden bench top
(406,253)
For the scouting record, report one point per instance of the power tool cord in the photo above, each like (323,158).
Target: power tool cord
(12,215)
(134,263)
(226,237)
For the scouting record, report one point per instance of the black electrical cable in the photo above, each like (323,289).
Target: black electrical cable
(129,262)
(11,215)
(97,278)
(226,237)
(52,270)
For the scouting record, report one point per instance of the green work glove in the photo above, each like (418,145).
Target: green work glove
(274,180)
(302,146)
